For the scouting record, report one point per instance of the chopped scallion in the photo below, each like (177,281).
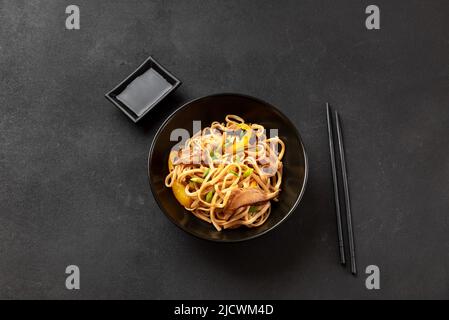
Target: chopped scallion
(234,173)
(253,209)
(209,196)
(197,180)
(248,172)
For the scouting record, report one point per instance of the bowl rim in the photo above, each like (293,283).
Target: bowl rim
(184,105)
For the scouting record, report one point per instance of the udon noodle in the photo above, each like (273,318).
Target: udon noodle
(228,174)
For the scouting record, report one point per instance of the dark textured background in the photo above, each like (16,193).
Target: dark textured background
(73,184)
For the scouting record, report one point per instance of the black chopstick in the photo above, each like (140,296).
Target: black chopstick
(341,244)
(347,199)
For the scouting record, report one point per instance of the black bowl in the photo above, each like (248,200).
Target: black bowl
(215,108)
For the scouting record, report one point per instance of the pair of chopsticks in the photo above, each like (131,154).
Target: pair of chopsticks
(344,176)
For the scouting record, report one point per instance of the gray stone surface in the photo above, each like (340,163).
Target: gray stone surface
(73,184)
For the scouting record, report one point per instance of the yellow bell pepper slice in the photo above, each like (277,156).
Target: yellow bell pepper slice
(244,141)
(180,194)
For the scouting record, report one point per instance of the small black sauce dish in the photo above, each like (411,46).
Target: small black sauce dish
(143,89)
(215,108)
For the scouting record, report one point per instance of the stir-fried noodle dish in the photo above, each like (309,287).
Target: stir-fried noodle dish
(228,174)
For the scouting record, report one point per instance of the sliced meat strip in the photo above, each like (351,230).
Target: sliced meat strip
(246,197)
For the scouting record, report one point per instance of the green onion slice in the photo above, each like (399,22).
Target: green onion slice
(234,173)
(209,196)
(253,209)
(197,180)
(248,172)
